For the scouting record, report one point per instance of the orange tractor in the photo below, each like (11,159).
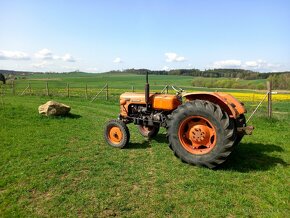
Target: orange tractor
(202,127)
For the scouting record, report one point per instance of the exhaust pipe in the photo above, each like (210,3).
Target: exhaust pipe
(147,91)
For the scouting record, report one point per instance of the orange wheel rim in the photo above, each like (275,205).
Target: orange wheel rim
(115,135)
(197,135)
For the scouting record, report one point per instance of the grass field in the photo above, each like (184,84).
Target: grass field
(57,167)
(117,81)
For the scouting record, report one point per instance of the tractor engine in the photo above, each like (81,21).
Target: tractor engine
(134,108)
(141,116)
(138,114)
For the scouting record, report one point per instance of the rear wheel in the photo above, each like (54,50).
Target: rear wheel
(148,131)
(116,133)
(200,133)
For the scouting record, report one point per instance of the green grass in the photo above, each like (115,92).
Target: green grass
(98,80)
(57,167)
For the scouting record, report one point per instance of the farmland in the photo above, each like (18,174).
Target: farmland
(120,82)
(56,167)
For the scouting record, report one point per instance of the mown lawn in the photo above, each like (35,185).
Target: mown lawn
(56,167)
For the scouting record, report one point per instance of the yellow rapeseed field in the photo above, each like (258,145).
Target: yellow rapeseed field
(259,96)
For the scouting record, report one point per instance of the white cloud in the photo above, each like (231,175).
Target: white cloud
(68,58)
(13,55)
(166,68)
(251,64)
(256,65)
(173,57)
(46,54)
(117,60)
(92,70)
(227,64)
(69,68)
(40,65)
(261,65)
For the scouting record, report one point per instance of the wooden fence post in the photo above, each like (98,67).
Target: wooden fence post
(166,89)
(269,88)
(29,88)
(47,90)
(13,88)
(86,91)
(67,87)
(107,92)
(1,89)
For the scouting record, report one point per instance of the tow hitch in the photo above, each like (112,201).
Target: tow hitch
(246,130)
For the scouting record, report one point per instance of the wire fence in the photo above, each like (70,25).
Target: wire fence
(254,100)
(88,91)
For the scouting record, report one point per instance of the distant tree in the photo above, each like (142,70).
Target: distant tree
(2,78)
(280,81)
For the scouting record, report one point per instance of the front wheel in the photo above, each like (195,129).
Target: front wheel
(116,133)
(200,133)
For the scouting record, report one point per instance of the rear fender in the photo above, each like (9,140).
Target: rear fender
(227,102)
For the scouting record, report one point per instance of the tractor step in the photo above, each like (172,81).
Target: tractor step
(246,130)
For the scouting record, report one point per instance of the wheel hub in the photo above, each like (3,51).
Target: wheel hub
(197,135)
(115,134)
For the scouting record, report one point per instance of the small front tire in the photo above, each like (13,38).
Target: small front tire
(116,133)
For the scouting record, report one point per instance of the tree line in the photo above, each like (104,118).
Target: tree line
(235,77)
(217,78)
(212,73)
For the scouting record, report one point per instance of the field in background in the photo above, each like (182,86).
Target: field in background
(57,167)
(119,81)
(85,85)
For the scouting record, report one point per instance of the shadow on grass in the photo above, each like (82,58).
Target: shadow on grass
(146,143)
(160,138)
(143,145)
(248,157)
(73,116)
(69,115)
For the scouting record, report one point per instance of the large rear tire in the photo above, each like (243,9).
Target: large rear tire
(116,133)
(200,133)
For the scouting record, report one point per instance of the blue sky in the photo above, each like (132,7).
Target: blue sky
(102,35)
